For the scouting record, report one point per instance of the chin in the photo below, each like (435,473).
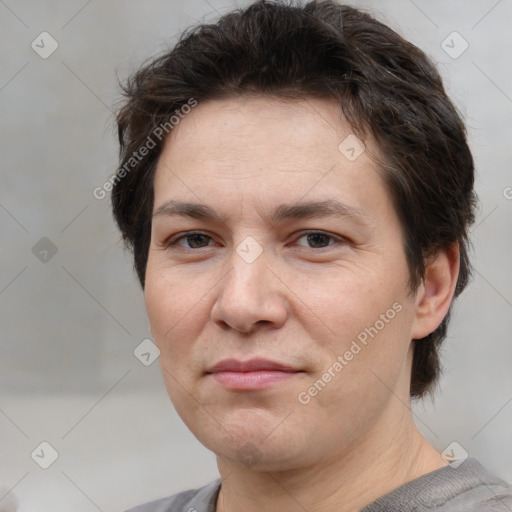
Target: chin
(260,449)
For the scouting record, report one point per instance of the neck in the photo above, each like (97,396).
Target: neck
(383,460)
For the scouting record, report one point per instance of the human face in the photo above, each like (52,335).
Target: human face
(248,289)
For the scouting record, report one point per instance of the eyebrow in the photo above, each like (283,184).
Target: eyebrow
(303,210)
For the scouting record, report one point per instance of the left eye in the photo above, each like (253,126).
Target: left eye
(315,239)
(318,239)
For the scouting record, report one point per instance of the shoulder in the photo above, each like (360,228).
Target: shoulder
(457,487)
(478,490)
(194,500)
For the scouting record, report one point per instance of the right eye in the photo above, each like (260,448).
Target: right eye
(194,240)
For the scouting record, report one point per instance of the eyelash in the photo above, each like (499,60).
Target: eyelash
(173,240)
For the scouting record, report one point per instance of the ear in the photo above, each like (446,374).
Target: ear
(435,294)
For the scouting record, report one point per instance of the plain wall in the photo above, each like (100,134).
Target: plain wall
(69,325)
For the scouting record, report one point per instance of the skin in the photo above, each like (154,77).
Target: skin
(301,302)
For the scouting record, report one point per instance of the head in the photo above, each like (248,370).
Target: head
(281,105)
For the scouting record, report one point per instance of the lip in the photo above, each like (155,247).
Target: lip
(252,365)
(251,375)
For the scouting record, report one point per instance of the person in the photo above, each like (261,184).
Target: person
(297,190)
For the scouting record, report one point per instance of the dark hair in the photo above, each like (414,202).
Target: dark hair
(388,89)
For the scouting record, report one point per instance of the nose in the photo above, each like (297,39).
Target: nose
(250,294)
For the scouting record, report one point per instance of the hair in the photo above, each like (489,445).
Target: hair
(387,88)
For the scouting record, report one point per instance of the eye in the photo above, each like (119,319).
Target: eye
(319,239)
(199,240)
(194,240)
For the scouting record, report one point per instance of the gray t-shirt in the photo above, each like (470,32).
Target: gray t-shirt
(466,487)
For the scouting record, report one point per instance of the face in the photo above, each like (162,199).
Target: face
(280,304)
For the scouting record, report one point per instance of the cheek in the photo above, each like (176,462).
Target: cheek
(372,363)
(160,306)
(367,322)
(177,309)
(167,305)
(346,299)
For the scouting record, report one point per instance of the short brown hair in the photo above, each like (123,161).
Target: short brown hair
(386,86)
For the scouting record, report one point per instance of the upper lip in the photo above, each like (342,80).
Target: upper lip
(253,365)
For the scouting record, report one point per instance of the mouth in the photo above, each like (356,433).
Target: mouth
(250,375)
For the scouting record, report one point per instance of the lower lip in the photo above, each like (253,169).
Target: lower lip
(260,379)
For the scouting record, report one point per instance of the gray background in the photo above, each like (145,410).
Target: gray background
(69,325)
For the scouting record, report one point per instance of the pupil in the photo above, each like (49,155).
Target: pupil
(194,238)
(316,235)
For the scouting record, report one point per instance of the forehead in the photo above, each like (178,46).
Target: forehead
(242,126)
(266,148)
